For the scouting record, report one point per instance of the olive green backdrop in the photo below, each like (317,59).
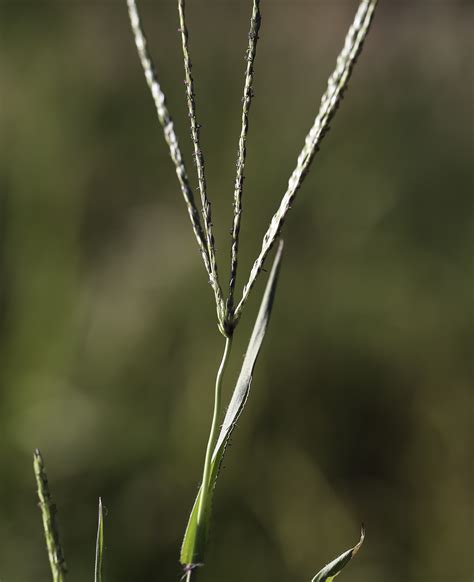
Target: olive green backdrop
(361,405)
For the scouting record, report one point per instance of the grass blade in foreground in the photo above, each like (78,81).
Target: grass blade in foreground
(329,572)
(192,550)
(99,547)
(50,526)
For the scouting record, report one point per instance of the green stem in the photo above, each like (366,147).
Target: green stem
(213,432)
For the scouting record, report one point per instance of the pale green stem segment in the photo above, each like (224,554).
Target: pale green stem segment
(50,526)
(99,546)
(206,477)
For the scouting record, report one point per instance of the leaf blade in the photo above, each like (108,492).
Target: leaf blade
(331,570)
(192,549)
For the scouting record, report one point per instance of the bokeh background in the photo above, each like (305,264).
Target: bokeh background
(361,405)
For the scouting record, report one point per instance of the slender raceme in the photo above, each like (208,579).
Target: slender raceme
(336,86)
(242,150)
(50,526)
(169,132)
(199,161)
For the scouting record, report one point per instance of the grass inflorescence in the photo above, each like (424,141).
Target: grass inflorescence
(50,524)
(229,311)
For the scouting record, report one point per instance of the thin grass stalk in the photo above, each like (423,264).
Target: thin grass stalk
(242,150)
(336,86)
(206,477)
(50,525)
(190,573)
(166,122)
(199,161)
(99,546)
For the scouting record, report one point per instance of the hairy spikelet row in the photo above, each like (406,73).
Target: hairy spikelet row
(168,129)
(50,526)
(336,86)
(199,161)
(227,315)
(242,149)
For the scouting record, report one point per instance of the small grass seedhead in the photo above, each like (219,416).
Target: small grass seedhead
(50,526)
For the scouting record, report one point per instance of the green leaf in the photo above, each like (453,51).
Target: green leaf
(192,549)
(329,572)
(99,547)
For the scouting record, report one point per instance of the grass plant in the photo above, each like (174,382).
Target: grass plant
(228,310)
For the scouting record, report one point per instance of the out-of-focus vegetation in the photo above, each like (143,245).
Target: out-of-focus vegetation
(361,405)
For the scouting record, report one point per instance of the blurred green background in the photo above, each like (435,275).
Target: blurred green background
(361,405)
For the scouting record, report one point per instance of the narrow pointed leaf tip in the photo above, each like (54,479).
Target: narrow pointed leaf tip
(192,549)
(50,526)
(99,546)
(329,572)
